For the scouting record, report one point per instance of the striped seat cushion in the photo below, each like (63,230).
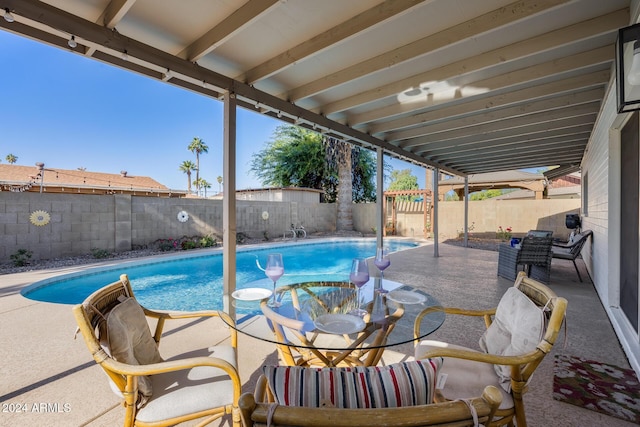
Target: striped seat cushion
(400,384)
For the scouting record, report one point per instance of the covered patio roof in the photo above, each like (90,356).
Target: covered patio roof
(465,87)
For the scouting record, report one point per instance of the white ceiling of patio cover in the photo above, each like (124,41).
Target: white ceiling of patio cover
(466,86)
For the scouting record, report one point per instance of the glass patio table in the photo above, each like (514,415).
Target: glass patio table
(312,323)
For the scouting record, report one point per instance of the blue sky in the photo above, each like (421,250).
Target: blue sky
(69,111)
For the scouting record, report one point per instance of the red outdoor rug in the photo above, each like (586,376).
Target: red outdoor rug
(597,386)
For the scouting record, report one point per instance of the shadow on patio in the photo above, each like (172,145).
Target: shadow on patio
(42,364)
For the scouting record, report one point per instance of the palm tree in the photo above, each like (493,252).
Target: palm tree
(205,184)
(187,166)
(202,183)
(219,184)
(11,158)
(339,153)
(198,146)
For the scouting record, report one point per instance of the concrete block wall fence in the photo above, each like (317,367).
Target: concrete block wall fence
(79,223)
(485,216)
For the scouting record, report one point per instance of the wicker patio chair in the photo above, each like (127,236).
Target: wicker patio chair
(527,310)
(572,250)
(536,252)
(157,392)
(259,409)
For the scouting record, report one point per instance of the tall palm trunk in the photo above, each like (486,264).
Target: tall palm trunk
(345,188)
(338,153)
(197,170)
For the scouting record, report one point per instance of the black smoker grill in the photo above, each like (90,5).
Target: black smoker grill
(572,221)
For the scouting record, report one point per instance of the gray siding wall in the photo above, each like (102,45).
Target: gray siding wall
(601,166)
(597,168)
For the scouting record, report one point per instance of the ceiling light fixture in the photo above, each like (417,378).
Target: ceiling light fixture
(125,55)
(8,16)
(72,42)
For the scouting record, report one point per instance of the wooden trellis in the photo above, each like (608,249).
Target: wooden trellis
(427,208)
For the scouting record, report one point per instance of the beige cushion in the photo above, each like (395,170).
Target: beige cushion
(399,384)
(130,340)
(464,378)
(191,390)
(516,329)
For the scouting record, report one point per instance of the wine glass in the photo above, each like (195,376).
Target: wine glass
(274,271)
(359,276)
(382,261)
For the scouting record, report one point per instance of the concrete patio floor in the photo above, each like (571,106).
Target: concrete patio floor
(48,378)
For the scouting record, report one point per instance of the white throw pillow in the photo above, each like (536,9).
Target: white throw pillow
(131,342)
(517,329)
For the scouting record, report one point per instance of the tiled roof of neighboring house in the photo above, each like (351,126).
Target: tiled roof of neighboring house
(31,178)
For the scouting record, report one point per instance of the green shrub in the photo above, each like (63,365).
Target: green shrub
(188,244)
(165,245)
(185,243)
(208,241)
(21,257)
(241,237)
(100,253)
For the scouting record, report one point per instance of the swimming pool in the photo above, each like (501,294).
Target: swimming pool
(195,282)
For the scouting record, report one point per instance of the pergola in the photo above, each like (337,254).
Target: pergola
(390,198)
(459,86)
(494,180)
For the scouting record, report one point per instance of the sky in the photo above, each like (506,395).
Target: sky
(70,112)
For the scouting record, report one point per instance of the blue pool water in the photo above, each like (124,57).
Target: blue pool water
(195,282)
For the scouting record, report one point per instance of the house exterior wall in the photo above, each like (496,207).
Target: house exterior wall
(280,195)
(596,214)
(602,191)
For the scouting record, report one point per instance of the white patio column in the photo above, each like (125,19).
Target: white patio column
(436,174)
(379,196)
(466,211)
(229,202)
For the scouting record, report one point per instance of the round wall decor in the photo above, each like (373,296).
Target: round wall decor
(40,218)
(183,216)
(265,215)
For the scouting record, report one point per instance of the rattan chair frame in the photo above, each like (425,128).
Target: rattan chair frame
(89,316)
(523,365)
(258,409)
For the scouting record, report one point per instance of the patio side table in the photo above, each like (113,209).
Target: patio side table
(508,268)
(507,258)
